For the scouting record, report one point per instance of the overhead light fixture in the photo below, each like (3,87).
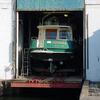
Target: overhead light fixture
(65,15)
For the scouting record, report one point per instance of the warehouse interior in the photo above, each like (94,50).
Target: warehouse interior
(28,22)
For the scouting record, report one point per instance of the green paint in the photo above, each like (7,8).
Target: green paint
(54,45)
(50,5)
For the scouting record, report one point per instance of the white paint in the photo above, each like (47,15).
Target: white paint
(37,43)
(93,31)
(48,42)
(17,47)
(92,2)
(6,66)
(5,1)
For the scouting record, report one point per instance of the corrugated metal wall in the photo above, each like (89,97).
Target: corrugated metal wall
(6,39)
(92,39)
(92,2)
(42,5)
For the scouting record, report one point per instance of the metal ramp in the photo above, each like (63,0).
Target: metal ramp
(25,70)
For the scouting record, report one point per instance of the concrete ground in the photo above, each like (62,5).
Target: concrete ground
(90,98)
(90,91)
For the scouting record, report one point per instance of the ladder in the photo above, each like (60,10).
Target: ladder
(25,62)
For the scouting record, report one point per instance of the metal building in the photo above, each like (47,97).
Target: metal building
(7,22)
(92,29)
(11,31)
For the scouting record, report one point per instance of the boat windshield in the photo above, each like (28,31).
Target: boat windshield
(65,34)
(51,33)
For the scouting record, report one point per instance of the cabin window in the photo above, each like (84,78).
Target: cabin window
(64,34)
(51,33)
